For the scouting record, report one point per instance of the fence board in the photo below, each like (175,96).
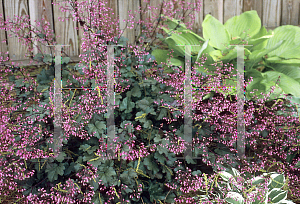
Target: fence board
(232,8)
(272,13)
(197,26)
(114,13)
(290,13)
(220,10)
(151,15)
(20,8)
(85,16)
(3,45)
(39,9)
(124,7)
(65,32)
(211,7)
(181,11)
(254,5)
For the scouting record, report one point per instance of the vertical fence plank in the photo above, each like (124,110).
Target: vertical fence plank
(124,7)
(239,7)
(232,8)
(220,10)
(210,7)
(17,51)
(197,26)
(66,33)
(39,9)
(290,12)
(137,28)
(113,4)
(151,13)
(150,16)
(271,13)
(3,45)
(114,15)
(85,16)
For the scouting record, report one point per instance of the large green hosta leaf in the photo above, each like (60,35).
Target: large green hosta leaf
(257,55)
(276,195)
(173,23)
(286,83)
(280,60)
(180,36)
(173,42)
(232,54)
(234,198)
(291,46)
(160,55)
(176,42)
(260,40)
(248,22)
(289,70)
(216,32)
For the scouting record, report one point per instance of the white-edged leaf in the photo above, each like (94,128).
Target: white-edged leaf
(234,198)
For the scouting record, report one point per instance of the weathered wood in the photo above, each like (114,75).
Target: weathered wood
(112,14)
(85,16)
(211,7)
(131,6)
(232,8)
(254,5)
(197,26)
(271,13)
(220,10)
(3,45)
(64,26)
(38,10)
(177,11)
(151,15)
(16,47)
(290,13)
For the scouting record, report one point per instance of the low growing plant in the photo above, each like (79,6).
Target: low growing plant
(149,129)
(233,188)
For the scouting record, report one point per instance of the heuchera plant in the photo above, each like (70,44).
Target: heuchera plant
(273,142)
(44,36)
(271,139)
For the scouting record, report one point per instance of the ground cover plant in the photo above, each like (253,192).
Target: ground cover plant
(149,127)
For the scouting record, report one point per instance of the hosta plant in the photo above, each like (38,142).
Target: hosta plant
(231,187)
(270,54)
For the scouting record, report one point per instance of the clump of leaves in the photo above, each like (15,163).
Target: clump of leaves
(146,143)
(232,187)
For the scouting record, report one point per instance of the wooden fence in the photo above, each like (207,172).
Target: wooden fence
(273,13)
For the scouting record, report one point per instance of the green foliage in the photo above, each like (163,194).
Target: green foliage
(54,170)
(136,106)
(238,188)
(269,55)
